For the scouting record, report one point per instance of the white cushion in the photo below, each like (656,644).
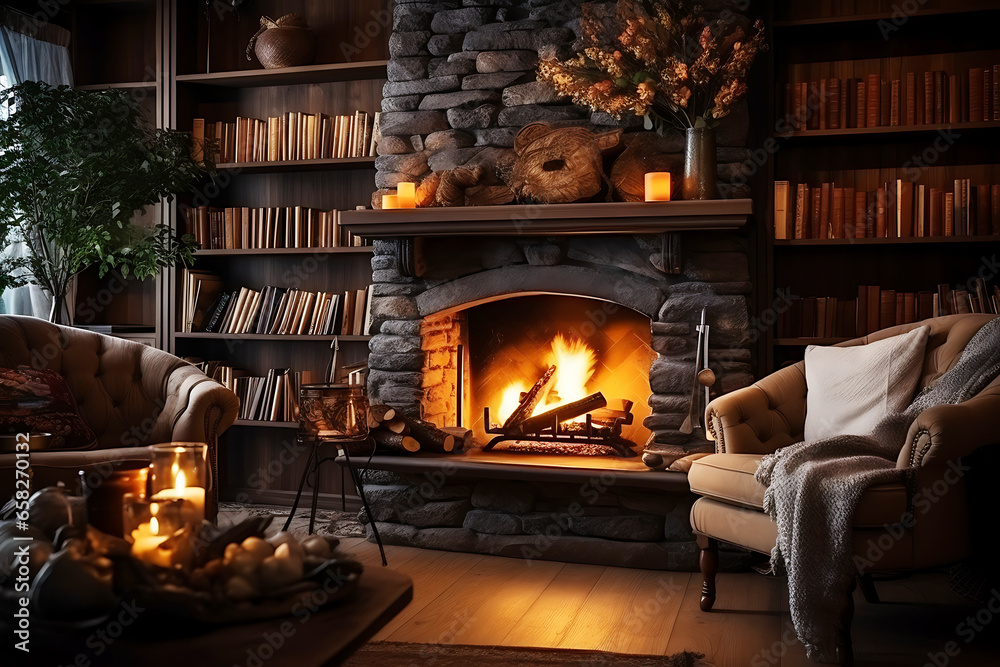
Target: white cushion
(851,389)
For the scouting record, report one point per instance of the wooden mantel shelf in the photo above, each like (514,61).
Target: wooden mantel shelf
(551,219)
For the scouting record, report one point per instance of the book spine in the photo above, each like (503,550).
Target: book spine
(976,94)
(874,103)
(910,97)
(894,103)
(928,98)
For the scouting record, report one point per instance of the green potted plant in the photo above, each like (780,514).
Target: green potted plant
(75,167)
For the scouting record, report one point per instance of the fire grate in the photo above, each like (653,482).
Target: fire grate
(550,432)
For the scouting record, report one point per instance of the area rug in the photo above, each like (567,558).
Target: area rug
(398,654)
(328,522)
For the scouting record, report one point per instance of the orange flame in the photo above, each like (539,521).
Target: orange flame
(574,361)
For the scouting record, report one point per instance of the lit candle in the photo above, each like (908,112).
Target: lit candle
(146,542)
(406,195)
(390,201)
(658,186)
(193,499)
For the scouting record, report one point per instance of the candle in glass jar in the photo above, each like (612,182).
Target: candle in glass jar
(406,195)
(192,497)
(658,186)
(146,542)
(390,201)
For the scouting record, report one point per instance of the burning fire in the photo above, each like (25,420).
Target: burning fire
(574,361)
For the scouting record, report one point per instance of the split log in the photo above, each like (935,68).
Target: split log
(378,414)
(395,442)
(430,437)
(427,190)
(532,398)
(454,182)
(464,438)
(396,425)
(559,164)
(562,413)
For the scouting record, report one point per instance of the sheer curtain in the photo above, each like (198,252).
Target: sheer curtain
(30,51)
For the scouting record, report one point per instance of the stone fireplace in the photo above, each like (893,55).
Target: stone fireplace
(467,309)
(470,304)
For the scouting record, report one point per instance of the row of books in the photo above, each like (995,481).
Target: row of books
(900,209)
(206,306)
(272,397)
(267,227)
(920,98)
(291,136)
(876,308)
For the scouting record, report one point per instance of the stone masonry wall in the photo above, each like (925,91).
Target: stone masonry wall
(461,83)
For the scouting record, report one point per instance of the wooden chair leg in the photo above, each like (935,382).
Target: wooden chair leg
(709,563)
(867,584)
(845,646)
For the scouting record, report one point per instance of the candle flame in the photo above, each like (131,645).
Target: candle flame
(154,526)
(180,481)
(154,508)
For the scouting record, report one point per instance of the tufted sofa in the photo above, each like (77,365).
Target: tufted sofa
(130,395)
(757,420)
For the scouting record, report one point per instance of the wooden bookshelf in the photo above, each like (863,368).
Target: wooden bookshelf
(246,252)
(257,423)
(290,76)
(221,85)
(877,132)
(124,85)
(326,164)
(802,342)
(925,240)
(808,46)
(285,338)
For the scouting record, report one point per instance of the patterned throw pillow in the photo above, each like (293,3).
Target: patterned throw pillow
(39,401)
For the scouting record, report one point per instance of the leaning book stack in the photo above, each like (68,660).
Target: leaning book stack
(275,311)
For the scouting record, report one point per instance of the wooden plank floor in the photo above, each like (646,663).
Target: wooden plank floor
(486,600)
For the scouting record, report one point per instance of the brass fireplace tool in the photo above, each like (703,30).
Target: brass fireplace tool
(704,378)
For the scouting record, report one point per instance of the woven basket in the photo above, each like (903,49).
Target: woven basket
(287,42)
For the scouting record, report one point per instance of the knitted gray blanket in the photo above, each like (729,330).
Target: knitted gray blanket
(813,489)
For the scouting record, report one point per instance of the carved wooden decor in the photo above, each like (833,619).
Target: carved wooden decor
(558,165)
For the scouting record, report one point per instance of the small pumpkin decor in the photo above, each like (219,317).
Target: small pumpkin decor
(287,42)
(558,165)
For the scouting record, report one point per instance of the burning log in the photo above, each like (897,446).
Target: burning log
(396,442)
(430,437)
(560,414)
(378,414)
(532,398)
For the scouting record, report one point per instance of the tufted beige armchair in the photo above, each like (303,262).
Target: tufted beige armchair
(890,533)
(130,395)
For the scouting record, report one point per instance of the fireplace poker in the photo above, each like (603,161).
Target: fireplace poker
(706,377)
(689,422)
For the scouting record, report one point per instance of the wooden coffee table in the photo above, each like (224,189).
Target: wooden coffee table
(327,637)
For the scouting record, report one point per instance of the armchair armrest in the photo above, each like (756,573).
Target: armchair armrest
(762,417)
(947,432)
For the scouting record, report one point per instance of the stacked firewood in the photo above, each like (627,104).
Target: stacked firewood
(398,433)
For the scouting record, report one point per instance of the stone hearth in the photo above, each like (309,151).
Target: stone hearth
(597,520)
